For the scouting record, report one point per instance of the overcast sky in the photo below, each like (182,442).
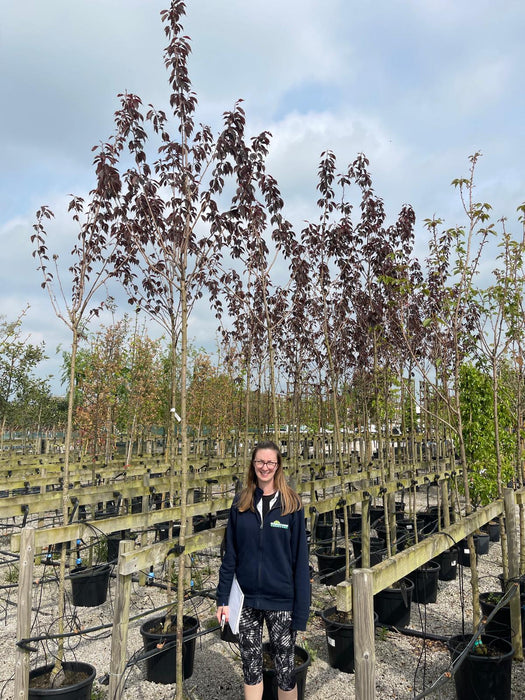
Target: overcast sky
(417,85)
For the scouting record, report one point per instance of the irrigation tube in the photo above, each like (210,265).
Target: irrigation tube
(453,667)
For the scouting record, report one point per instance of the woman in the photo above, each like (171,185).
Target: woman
(266,549)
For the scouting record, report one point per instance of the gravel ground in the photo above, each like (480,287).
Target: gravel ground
(405,665)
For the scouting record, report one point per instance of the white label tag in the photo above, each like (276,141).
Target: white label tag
(466,551)
(331,641)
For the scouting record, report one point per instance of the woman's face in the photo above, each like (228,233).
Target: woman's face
(265,464)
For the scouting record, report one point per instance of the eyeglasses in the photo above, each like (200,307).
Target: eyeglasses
(259,463)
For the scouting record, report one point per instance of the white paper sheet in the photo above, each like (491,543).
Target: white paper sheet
(235,603)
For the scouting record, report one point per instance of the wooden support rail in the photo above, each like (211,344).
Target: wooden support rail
(358,595)
(398,566)
(80,530)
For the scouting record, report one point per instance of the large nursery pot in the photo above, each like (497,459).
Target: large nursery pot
(402,536)
(161,666)
(377,549)
(392,604)
(500,625)
(331,565)
(448,564)
(354,523)
(482,540)
(78,685)
(493,529)
(270,688)
(89,585)
(113,541)
(521,581)
(339,640)
(485,673)
(324,528)
(425,580)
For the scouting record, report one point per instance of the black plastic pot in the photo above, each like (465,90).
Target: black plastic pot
(376,513)
(493,529)
(425,580)
(354,523)
(402,537)
(162,531)
(521,582)
(331,566)
(204,522)
(448,563)
(500,625)
(340,641)
(113,542)
(270,688)
(481,541)
(79,690)
(377,549)
(483,677)
(89,586)
(392,605)
(463,553)
(161,666)
(324,528)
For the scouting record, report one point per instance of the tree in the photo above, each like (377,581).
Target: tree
(170,216)
(18,359)
(94,261)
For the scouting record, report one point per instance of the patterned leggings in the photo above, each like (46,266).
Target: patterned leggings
(282,644)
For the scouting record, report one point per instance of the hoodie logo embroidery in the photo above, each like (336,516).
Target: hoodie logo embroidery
(276,523)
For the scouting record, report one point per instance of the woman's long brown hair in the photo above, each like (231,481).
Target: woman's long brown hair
(290,500)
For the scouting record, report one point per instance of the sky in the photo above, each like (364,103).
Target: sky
(416,85)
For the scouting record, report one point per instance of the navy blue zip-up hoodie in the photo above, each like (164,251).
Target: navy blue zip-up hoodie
(270,560)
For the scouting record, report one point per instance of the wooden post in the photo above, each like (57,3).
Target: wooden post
(365,533)
(23,619)
(522,538)
(364,646)
(513,551)
(119,636)
(445,503)
(145,509)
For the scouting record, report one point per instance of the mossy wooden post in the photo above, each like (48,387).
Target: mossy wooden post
(145,509)
(23,619)
(364,644)
(119,635)
(365,533)
(445,504)
(513,558)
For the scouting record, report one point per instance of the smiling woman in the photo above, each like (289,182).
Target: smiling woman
(266,550)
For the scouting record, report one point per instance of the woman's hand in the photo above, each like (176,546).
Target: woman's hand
(223,610)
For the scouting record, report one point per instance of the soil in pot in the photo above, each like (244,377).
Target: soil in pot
(89,586)
(392,605)
(78,682)
(485,673)
(161,666)
(340,639)
(500,625)
(270,688)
